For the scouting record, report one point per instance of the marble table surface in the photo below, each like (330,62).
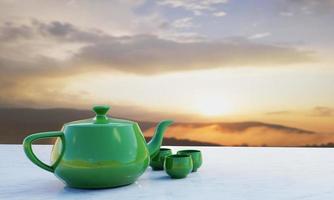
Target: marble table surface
(228,173)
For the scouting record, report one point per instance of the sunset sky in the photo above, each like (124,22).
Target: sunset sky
(191,60)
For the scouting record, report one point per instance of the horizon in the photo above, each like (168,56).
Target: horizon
(15,127)
(138,118)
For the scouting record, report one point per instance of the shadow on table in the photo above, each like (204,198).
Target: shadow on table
(37,189)
(68,192)
(163,177)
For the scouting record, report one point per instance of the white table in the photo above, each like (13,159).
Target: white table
(227,173)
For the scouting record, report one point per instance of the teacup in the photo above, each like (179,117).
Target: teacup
(157,162)
(196,156)
(178,166)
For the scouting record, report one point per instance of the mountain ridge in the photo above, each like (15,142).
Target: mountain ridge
(16,123)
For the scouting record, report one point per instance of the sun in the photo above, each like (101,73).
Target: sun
(211,106)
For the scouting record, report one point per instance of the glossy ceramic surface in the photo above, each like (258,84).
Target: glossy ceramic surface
(98,153)
(157,162)
(178,166)
(196,156)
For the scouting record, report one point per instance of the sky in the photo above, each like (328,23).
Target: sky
(190,60)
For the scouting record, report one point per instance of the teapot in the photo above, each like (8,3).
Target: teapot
(100,152)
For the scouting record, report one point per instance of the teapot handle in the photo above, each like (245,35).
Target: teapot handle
(28,149)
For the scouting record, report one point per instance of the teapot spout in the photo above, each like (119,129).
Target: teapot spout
(156,141)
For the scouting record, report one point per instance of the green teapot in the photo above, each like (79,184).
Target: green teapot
(101,152)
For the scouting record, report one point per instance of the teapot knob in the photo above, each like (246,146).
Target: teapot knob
(101,110)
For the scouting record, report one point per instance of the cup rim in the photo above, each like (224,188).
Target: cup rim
(165,149)
(177,156)
(189,151)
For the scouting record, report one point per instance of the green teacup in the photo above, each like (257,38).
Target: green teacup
(157,162)
(196,156)
(178,166)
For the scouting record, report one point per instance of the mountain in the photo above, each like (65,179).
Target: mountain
(17,123)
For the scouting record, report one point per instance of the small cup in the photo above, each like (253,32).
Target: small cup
(157,162)
(196,156)
(178,166)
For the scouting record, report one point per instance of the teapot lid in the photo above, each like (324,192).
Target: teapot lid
(101,118)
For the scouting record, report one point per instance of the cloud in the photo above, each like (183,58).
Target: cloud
(259,35)
(306,7)
(29,57)
(220,14)
(148,54)
(185,22)
(142,54)
(281,112)
(116,17)
(10,31)
(318,111)
(195,6)
(322,111)
(184,36)
(286,14)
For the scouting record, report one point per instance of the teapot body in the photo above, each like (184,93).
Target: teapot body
(92,158)
(100,152)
